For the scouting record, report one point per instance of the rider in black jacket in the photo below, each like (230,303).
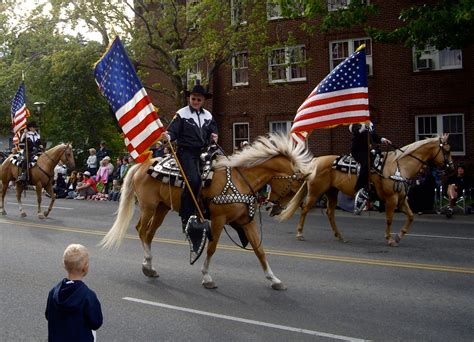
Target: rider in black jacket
(362,136)
(194,129)
(31,141)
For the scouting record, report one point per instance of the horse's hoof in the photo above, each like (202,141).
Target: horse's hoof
(392,243)
(4,212)
(300,238)
(150,272)
(23,214)
(46,213)
(279,287)
(41,216)
(209,285)
(397,238)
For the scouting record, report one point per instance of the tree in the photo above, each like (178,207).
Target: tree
(171,37)
(442,24)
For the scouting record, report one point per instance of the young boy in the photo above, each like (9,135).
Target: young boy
(73,310)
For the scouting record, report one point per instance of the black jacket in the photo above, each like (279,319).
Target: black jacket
(72,311)
(360,140)
(192,129)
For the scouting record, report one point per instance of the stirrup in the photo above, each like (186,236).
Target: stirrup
(361,199)
(197,233)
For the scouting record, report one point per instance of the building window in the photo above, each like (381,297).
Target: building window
(340,50)
(334,5)
(273,10)
(236,12)
(194,74)
(287,64)
(241,133)
(432,59)
(240,69)
(280,126)
(427,126)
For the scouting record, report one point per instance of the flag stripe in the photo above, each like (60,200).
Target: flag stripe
(358,93)
(333,108)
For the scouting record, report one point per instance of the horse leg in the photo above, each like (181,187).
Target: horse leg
(52,195)
(149,222)
(406,227)
(330,211)
(390,204)
(255,241)
(19,189)
(216,229)
(306,207)
(3,192)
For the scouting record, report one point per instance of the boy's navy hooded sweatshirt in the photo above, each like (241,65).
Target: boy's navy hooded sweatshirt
(72,311)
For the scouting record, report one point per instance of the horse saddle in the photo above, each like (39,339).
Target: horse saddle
(18,159)
(165,169)
(347,163)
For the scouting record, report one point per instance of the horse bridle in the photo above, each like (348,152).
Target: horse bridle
(46,154)
(294,177)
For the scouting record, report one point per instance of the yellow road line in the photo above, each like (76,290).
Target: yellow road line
(294,254)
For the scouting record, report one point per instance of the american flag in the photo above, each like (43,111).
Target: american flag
(340,98)
(19,113)
(119,83)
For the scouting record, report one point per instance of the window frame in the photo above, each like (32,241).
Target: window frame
(337,7)
(286,123)
(239,140)
(351,48)
(287,65)
(236,13)
(431,53)
(236,68)
(440,129)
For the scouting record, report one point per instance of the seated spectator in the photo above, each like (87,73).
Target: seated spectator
(60,169)
(421,194)
(60,187)
(456,185)
(87,187)
(71,185)
(114,195)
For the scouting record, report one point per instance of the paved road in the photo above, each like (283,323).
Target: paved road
(361,289)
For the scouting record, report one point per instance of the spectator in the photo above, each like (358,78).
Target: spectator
(60,169)
(73,311)
(456,185)
(92,162)
(60,188)
(124,169)
(72,184)
(421,194)
(87,187)
(118,168)
(110,175)
(114,195)
(102,152)
(102,174)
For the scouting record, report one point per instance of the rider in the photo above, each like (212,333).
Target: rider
(194,129)
(361,134)
(31,140)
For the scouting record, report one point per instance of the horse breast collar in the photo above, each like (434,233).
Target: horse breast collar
(235,196)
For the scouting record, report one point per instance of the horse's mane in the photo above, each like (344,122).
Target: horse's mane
(406,150)
(267,147)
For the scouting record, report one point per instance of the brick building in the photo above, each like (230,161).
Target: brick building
(410,97)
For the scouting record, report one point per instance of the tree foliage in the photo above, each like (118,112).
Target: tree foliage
(442,24)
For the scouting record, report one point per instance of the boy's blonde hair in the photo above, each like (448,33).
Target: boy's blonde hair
(75,257)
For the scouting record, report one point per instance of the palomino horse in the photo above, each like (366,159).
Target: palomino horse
(40,175)
(230,198)
(391,186)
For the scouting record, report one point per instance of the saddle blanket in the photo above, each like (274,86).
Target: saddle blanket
(347,163)
(166,170)
(17,159)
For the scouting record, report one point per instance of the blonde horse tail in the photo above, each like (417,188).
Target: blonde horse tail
(124,213)
(294,204)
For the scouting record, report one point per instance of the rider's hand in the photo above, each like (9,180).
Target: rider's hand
(386,141)
(165,137)
(214,137)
